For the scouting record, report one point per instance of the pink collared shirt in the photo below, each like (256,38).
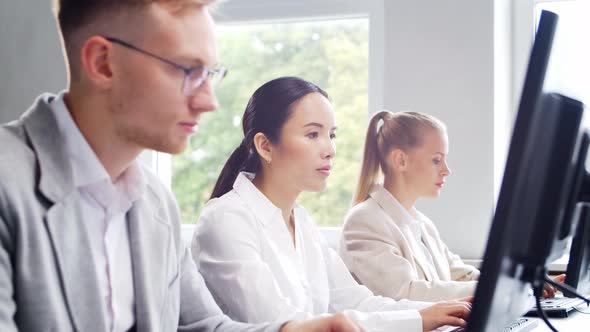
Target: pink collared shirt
(104,204)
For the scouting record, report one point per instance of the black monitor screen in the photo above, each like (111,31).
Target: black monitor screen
(534,195)
(523,242)
(578,268)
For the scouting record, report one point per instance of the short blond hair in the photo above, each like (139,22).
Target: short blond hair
(73,16)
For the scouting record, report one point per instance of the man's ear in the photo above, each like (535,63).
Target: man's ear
(96,61)
(263,147)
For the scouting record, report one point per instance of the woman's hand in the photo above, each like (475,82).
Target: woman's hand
(453,313)
(334,323)
(549,290)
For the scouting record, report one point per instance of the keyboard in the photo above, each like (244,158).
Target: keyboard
(557,306)
(520,325)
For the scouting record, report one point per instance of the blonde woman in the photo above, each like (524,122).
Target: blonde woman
(260,252)
(387,244)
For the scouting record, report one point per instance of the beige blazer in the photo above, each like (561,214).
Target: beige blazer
(381,252)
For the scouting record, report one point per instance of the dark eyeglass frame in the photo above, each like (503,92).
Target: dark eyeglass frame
(216,74)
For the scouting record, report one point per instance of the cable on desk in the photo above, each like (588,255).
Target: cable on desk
(538,290)
(582,311)
(566,288)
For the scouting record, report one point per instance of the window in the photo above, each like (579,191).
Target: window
(569,69)
(331,53)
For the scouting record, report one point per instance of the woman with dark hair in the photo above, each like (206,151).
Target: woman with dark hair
(260,253)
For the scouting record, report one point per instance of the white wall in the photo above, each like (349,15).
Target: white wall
(30,59)
(439,59)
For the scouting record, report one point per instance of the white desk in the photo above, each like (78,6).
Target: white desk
(575,322)
(556,267)
(559,265)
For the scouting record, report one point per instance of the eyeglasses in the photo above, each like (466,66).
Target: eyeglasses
(194,77)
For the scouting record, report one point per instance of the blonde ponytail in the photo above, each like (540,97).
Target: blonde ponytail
(370,165)
(388,131)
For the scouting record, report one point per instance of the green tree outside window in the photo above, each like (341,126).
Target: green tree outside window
(333,55)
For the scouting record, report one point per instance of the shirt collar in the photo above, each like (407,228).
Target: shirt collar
(394,208)
(86,168)
(260,205)
(132,182)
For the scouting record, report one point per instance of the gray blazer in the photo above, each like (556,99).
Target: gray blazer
(47,277)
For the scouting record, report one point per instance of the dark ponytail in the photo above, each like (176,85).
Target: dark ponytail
(267,111)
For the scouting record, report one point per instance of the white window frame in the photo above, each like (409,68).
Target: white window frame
(160,163)
(523,36)
(281,11)
(232,12)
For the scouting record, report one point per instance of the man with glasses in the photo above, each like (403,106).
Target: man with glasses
(89,238)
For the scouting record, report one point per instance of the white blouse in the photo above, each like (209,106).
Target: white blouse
(245,253)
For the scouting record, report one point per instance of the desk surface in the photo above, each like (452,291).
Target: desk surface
(556,267)
(559,265)
(577,321)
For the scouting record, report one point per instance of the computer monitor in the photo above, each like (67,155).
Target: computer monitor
(578,267)
(526,232)
(549,183)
